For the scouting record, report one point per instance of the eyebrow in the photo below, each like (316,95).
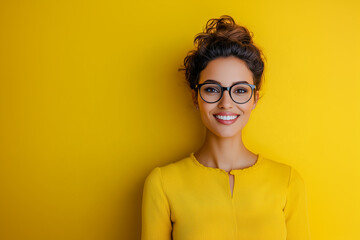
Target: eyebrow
(212,81)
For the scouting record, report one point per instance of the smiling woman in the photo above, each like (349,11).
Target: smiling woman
(223,190)
(218,106)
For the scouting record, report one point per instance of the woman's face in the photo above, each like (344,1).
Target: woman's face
(226,71)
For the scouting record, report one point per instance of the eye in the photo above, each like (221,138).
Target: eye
(240,90)
(211,90)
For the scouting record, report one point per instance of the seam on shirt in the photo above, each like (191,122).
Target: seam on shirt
(163,188)
(291,173)
(288,186)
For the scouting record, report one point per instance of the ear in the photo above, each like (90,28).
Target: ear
(194,97)
(256,98)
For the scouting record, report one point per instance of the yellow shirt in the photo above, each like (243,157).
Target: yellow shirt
(185,200)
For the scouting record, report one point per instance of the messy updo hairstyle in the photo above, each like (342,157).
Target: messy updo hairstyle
(222,37)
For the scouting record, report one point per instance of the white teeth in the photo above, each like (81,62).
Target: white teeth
(226,117)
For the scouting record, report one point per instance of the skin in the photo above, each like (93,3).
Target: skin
(223,146)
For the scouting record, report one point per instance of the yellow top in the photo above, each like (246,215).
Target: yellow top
(185,200)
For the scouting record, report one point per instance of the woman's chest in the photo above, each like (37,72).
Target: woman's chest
(231,205)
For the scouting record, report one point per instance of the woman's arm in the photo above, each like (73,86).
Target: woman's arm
(296,208)
(156,222)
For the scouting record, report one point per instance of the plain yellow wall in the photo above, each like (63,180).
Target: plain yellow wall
(91,101)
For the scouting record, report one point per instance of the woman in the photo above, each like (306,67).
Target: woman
(223,190)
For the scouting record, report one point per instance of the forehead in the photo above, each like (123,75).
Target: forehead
(226,71)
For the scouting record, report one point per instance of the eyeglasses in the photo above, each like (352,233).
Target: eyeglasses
(212,92)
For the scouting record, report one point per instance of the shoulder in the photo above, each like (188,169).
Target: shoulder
(276,166)
(172,170)
(285,171)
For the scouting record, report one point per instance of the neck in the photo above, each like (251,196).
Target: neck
(225,153)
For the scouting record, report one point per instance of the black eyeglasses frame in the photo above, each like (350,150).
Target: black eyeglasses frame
(253,88)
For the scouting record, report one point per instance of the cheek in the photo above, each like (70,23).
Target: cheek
(205,112)
(247,108)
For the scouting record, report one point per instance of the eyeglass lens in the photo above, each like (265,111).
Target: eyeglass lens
(240,93)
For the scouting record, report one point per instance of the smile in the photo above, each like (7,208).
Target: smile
(226,119)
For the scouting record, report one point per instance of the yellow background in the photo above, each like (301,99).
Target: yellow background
(91,101)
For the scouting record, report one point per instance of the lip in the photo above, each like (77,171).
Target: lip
(226,114)
(226,122)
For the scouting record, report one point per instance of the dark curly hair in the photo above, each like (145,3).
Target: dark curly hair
(222,37)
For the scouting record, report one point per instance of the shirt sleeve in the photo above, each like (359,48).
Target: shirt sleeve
(296,208)
(156,221)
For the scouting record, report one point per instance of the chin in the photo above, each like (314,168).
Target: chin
(226,133)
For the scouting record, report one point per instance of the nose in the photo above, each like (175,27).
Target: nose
(225,101)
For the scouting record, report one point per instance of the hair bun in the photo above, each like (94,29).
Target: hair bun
(226,28)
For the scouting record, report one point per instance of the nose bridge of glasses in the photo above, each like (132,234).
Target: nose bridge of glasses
(224,89)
